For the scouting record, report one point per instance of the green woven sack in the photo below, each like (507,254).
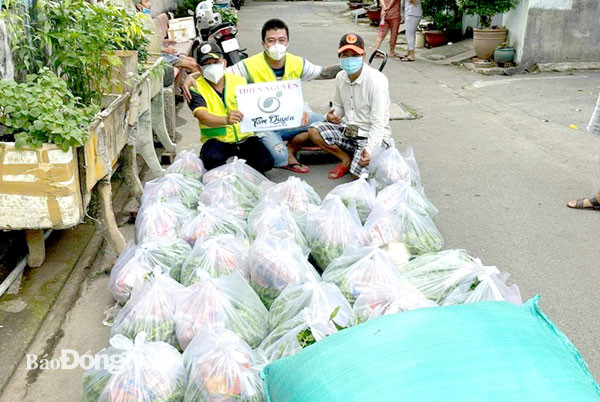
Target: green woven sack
(480,352)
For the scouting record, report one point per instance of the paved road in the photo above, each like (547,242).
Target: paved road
(497,157)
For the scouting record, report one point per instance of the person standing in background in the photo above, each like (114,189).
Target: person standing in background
(413,13)
(391,13)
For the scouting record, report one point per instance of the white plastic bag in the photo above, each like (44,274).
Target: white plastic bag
(232,194)
(151,309)
(359,191)
(403,192)
(222,367)
(276,263)
(217,256)
(211,221)
(490,286)
(274,220)
(189,164)
(238,167)
(226,302)
(160,221)
(135,371)
(390,167)
(296,194)
(392,298)
(324,296)
(304,329)
(436,275)
(362,268)
(135,262)
(383,227)
(594,124)
(173,187)
(330,229)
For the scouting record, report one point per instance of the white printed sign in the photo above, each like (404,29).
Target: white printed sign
(271,105)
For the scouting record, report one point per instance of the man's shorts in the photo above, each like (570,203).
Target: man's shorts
(333,134)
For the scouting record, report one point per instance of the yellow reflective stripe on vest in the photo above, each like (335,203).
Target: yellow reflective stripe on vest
(215,106)
(259,69)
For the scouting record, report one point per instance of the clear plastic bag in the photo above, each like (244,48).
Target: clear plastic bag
(296,194)
(135,371)
(436,275)
(361,192)
(390,166)
(274,220)
(324,296)
(362,268)
(222,367)
(211,221)
(383,227)
(173,187)
(594,123)
(404,193)
(160,221)
(137,261)
(217,256)
(276,263)
(239,168)
(189,164)
(151,309)
(232,194)
(490,286)
(419,233)
(304,329)
(389,299)
(227,302)
(330,229)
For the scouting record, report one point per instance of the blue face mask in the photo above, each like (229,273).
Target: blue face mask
(146,11)
(351,64)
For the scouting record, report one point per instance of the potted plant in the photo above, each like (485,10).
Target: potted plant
(374,14)
(446,21)
(487,38)
(504,54)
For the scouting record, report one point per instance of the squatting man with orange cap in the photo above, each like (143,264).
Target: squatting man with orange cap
(358,123)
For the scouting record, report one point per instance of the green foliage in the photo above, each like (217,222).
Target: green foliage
(43,110)
(184,6)
(75,39)
(227,14)
(486,9)
(445,13)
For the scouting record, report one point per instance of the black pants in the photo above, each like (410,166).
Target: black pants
(215,153)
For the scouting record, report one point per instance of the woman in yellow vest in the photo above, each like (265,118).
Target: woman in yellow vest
(214,104)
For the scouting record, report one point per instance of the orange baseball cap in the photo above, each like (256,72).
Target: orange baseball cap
(353,42)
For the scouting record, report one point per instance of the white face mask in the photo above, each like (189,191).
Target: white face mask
(213,72)
(277,51)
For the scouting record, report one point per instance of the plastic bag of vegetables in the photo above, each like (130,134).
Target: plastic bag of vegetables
(490,286)
(362,268)
(389,299)
(160,221)
(218,256)
(151,309)
(211,221)
(304,329)
(403,192)
(390,167)
(383,227)
(330,229)
(135,371)
(296,194)
(135,262)
(324,296)
(359,191)
(173,187)
(220,366)
(436,275)
(227,302)
(276,263)
(272,219)
(238,167)
(189,164)
(232,194)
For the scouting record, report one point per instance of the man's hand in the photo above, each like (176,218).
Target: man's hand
(333,118)
(235,116)
(190,81)
(365,158)
(170,50)
(304,119)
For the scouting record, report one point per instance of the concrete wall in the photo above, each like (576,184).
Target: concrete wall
(516,22)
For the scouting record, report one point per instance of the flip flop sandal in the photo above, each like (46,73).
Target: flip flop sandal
(338,171)
(406,59)
(297,167)
(594,203)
